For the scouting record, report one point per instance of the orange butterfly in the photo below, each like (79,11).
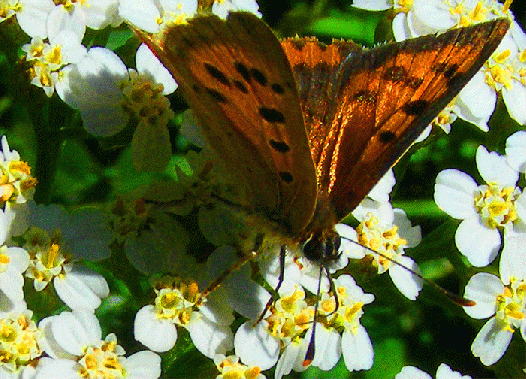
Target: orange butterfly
(309,129)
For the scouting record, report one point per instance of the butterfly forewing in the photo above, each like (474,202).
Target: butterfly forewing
(387,96)
(237,79)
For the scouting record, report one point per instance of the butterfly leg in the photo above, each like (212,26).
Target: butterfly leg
(270,301)
(235,266)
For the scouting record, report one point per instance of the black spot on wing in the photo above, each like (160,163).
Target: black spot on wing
(279,146)
(277,88)
(259,76)
(286,176)
(217,74)
(416,107)
(240,86)
(218,96)
(387,136)
(272,115)
(243,71)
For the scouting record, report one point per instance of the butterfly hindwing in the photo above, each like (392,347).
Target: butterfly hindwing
(237,80)
(315,67)
(386,96)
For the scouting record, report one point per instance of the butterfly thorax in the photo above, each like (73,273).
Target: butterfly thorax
(320,242)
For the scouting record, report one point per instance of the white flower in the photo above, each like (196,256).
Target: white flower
(21,344)
(30,14)
(48,59)
(284,334)
(107,95)
(176,304)
(154,16)
(93,87)
(505,304)
(74,341)
(483,209)
(355,344)
(52,260)
(388,232)
(443,372)
(76,16)
(229,367)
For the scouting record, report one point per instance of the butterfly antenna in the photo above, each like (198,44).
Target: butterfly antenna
(309,356)
(457,299)
(235,266)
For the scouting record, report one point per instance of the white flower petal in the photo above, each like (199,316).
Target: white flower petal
(445,372)
(74,330)
(141,13)
(81,288)
(147,62)
(494,168)
(143,365)
(479,243)
(454,193)
(491,342)
(357,350)
(33,15)
(383,188)
(411,372)
(58,368)
(406,282)
(477,97)
(515,100)
(290,357)
(516,150)
(93,87)
(327,344)
(513,257)
(155,333)
(255,346)
(483,288)
(210,338)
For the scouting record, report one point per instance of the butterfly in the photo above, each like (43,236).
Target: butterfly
(308,129)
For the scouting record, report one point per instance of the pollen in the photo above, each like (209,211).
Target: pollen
(103,360)
(496,205)
(19,337)
(382,239)
(176,299)
(511,305)
(145,101)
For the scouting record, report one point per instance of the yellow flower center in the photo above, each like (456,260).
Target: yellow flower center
(496,205)
(144,100)
(290,318)
(382,240)
(230,368)
(176,299)
(102,361)
(18,342)
(511,304)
